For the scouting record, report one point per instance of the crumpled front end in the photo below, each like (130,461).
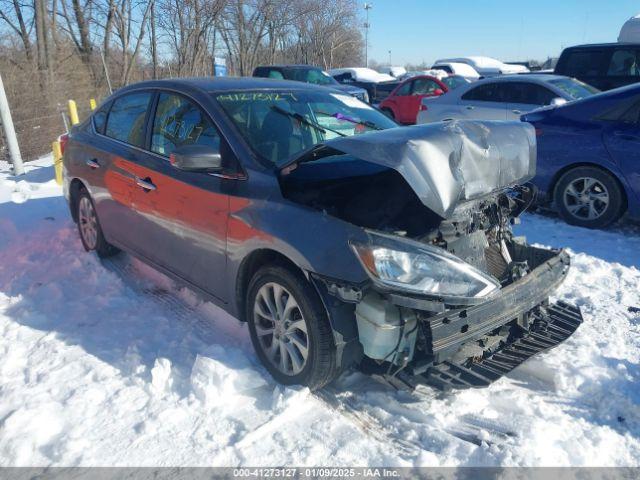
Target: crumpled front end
(454,299)
(447,164)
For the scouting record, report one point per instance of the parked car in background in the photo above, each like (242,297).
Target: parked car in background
(549,65)
(486,66)
(454,81)
(604,65)
(531,65)
(404,101)
(378,85)
(456,68)
(503,98)
(589,157)
(395,72)
(360,74)
(309,74)
(341,240)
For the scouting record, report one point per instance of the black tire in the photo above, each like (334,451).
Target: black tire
(603,183)
(102,248)
(320,366)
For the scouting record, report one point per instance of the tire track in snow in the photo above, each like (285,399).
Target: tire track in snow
(365,422)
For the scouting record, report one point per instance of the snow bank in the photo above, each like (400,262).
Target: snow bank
(108,363)
(215,382)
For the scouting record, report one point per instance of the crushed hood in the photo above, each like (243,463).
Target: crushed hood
(447,164)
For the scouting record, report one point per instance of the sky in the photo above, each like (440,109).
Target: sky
(419,31)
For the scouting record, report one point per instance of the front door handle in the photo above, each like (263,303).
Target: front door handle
(469,107)
(145,184)
(517,112)
(93,163)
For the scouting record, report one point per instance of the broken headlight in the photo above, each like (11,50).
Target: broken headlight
(401,264)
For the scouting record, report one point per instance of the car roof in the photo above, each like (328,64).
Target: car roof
(222,84)
(298,66)
(524,77)
(477,60)
(604,45)
(425,75)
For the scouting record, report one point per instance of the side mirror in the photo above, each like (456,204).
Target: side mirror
(556,102)
(196,158)
(438,91)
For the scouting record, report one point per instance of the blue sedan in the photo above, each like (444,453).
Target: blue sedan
(589,157)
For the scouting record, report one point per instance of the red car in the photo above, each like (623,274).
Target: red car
(404,101)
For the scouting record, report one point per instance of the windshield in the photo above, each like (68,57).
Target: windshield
(574,88)
(454,81)
(311,75)
(278,125)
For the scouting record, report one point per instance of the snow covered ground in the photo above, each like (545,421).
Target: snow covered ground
(110,364)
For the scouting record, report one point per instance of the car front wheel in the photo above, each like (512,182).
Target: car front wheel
(588,197)
(289,328)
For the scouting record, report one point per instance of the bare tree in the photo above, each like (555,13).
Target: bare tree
(243,27)
(153,41)
(130,32)
(17,22)
(43,36)
(188,28)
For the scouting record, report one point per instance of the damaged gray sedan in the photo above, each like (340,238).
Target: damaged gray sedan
(341,239)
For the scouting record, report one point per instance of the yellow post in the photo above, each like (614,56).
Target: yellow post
(73,112)
(57,161)
(92,103)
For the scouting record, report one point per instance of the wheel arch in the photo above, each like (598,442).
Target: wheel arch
(341,315)
(75,187)
(248,268)
(551,194)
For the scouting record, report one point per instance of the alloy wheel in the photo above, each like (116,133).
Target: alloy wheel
(88,223)
(586,198)
(281,328)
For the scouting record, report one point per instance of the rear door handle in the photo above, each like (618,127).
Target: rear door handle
(469,107)
(93,163)
(145,184)
(517,112)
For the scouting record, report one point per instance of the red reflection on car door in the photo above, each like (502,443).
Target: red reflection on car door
(185,217)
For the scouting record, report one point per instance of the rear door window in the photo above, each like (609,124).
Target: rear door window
(527,93)
(484,93)
(126,120)
(584,63)
(625,111)
(179,122)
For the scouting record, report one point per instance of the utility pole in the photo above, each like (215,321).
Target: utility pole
(106,71)
(389,57)
(367,7)
(9,132)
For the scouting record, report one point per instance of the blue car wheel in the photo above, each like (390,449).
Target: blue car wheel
(588,197)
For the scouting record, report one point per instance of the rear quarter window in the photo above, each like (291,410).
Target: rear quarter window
(100,119)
